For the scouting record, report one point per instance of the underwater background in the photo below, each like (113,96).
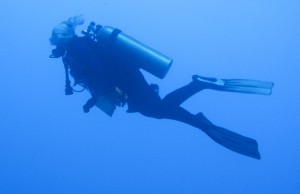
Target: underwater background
(48,145)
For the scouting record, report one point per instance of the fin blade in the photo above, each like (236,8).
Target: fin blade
(248,86)
(235,142)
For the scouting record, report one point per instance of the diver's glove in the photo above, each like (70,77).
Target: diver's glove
(89,104)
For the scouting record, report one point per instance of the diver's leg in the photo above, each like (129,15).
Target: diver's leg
(162,110)
(177,97)
(233,141)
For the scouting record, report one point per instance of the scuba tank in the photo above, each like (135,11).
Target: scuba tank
(135,52)
(129,50)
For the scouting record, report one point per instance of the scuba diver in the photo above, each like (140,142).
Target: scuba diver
(106,62)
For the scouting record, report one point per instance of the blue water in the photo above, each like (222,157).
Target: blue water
(48,145)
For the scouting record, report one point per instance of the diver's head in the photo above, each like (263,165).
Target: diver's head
(64,31)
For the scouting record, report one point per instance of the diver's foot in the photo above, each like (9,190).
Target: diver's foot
(208,81)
